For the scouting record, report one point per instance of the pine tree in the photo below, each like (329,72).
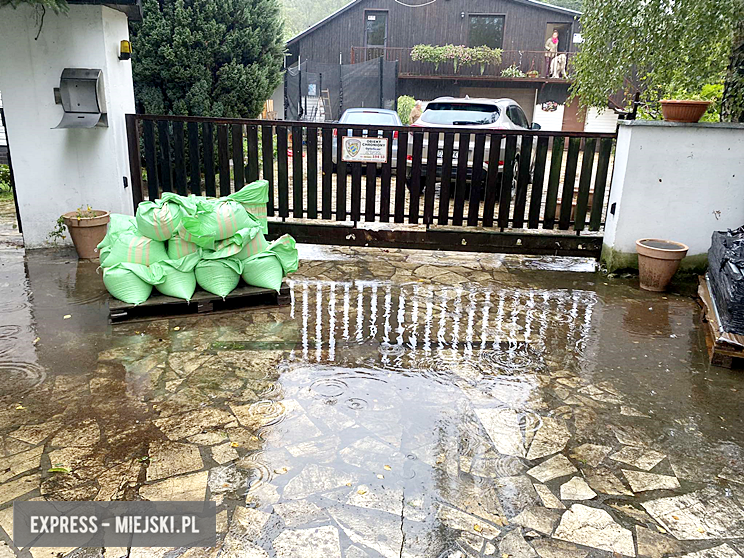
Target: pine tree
(207,57)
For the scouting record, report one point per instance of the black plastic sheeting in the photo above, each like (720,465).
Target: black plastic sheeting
(726,278)
(317,91)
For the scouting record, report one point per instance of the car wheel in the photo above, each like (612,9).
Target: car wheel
(515,176)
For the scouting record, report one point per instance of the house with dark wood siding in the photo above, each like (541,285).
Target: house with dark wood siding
(369,29)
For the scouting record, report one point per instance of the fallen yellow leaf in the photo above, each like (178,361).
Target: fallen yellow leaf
(362,491)
(176,328)
(234,444)
(388,468)
(477,528)
(380,476)
(66,317)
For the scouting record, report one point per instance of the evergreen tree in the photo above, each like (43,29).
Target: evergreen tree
(207,57)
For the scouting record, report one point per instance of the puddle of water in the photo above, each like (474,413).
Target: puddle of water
(399,411)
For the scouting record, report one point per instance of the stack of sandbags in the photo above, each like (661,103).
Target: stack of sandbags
(726,278)
(177,242)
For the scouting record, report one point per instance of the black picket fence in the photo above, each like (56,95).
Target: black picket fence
(553,185)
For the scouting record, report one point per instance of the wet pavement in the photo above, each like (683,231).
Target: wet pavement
(405,404)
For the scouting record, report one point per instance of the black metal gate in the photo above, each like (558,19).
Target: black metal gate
(540,192)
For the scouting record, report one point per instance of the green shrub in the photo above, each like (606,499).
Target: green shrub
(405,106)
(5,189)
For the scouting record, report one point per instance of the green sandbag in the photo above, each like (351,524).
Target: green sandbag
(161,218)
(179,277)
(214,220)
(132,247)
(219,277)
(244,244)
(117,225)
(264,270)
(254,197)
(130,282)
(286,250)
(178,248)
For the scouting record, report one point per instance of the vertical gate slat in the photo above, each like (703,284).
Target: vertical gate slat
(341,180)
(251,170)
(476,186)
(166,166)
(431,177)
(585,182)
(370,196)
(237,155)
(569,183)
(523,179)
(554,180)
(148,131)
(312,173)
(462,178)
(415,186)
(387,172)
(401,171)
(507,178)
(282,170)
(538,179)
(194,158)
(297,177)
(445,190)
(208,139)
(179,161)
(223,156)
(135,161)
(600,183)
(327,173)
(356,186)
(492,180)
(267,157)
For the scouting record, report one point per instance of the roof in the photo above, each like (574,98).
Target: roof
(133,8)
(354,3)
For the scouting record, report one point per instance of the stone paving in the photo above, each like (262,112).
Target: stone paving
(405,404)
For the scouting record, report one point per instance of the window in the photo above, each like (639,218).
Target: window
(375,28)
(517,116)
(460,114)
(486,30)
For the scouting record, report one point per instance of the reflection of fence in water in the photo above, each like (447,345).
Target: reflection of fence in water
(453,323)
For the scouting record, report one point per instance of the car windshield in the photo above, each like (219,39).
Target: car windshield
(369,117)
(460,114)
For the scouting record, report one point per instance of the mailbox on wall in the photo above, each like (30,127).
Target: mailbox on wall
(81,95)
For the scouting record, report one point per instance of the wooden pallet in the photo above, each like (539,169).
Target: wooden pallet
(724,349)
(161,306)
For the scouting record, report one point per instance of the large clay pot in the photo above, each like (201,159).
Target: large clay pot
(87,232)
(683,111)
(658,261)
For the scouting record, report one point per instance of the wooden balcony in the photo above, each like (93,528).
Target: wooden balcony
(525,60)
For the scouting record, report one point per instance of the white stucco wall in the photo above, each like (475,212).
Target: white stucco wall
(60,170)
(677,182)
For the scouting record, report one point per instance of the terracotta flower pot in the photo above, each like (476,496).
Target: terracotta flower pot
(658,261)
(683,111)
(87,232)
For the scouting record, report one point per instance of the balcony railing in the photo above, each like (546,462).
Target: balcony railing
(526,61)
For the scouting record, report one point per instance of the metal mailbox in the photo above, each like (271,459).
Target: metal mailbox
(81,95)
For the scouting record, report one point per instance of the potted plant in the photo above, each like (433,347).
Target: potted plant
(682,106)
(87,227)
(658,261)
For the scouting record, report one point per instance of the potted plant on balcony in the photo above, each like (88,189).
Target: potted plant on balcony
(87,227)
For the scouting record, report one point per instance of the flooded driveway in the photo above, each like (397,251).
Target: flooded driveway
(405,404)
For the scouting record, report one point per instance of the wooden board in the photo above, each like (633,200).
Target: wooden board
(724,349)
(161,306)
